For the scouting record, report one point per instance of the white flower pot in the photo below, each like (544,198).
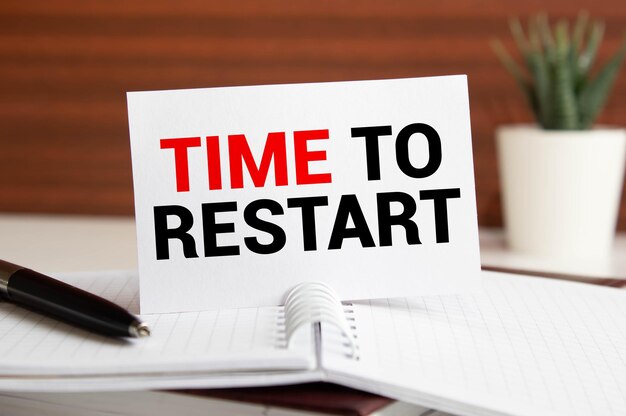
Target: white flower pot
(561,191)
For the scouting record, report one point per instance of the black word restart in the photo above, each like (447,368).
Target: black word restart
(347,209)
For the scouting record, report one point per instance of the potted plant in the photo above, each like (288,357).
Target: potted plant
(562,177)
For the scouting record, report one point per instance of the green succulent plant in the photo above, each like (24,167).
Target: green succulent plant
(558,82)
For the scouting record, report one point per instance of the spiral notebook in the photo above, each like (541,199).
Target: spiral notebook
(521,345)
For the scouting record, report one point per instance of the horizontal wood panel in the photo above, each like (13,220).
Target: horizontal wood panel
(65,67)
(309,8)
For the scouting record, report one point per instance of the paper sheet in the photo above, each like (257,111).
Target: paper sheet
(196,240)
(243,340)
(523,345)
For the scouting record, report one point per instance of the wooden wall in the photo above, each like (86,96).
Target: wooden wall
(65,67)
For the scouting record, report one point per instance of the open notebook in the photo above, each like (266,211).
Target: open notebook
(521,345)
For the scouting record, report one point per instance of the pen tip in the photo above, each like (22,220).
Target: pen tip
(139,329)
(143,330)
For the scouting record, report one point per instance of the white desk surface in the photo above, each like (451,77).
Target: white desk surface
(56,243)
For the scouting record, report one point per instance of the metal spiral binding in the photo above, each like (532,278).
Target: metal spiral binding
(314,302)
(281,341)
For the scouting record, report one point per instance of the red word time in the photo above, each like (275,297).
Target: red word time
(239,153)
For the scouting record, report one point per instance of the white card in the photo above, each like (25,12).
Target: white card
(243,192)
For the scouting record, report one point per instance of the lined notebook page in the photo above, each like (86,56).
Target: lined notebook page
(523,346)
(211,341)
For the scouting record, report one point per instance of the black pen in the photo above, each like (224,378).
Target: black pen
(53,297)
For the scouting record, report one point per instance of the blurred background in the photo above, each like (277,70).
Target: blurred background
(65,66)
